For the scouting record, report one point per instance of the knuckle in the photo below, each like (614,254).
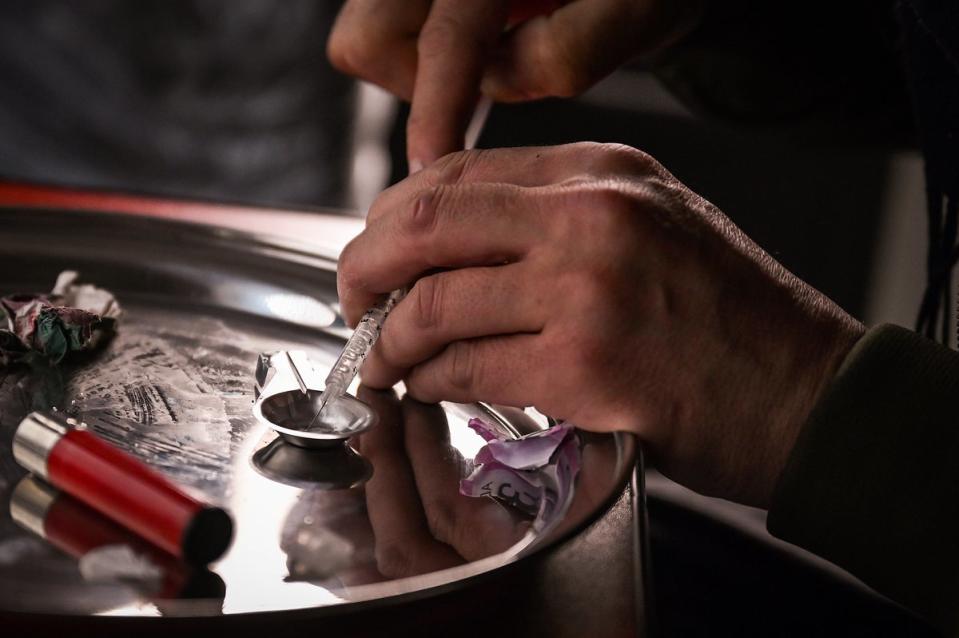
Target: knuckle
(612,208)
(428,294)
(623,158)
(376,212)
(603,211)
(352,51)
(452,168)
(462,365)
(384,204)
(336,51)
(423,216)
(587,148)
(614,220)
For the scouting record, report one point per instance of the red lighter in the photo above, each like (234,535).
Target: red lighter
(61,451)
(78,531)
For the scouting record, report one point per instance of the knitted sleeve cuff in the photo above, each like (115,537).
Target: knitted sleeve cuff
(873,481)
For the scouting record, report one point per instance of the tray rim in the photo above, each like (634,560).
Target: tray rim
(406,589)
(265,243)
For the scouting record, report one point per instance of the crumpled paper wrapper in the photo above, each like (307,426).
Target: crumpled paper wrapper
(71,318)
(523,473)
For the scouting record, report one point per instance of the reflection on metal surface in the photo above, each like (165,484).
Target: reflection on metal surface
(255,569)
(535,473)
(327,539)
(133,609)
(332,468)
(119,563)
(174,389)
(300,309)
(106,553)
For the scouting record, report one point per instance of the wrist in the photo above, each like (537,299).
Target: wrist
(819,352)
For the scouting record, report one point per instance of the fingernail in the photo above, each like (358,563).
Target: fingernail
(416,165)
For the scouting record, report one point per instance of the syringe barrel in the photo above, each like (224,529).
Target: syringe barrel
(360,343)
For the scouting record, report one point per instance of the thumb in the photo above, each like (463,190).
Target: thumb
(566,52)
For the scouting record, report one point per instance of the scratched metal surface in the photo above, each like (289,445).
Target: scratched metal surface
(175,388)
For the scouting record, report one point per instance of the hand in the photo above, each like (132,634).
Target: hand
(421,523)
(439,54)
(587,281)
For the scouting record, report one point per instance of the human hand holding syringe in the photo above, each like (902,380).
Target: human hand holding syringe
(368,330)
(355,351)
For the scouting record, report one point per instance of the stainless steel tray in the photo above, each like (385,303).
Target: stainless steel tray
(175,388)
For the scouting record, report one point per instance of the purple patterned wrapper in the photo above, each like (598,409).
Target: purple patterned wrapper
(480,427)
(535,473)
(530,452)
(506,485)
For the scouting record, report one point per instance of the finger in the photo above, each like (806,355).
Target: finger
(450,306)
(475,528)
(344,513)
(525,9)
(444,227)
(356,576)
(566,52)
(452,48)
(376,40)
(386,405)
(528,166)
(404,545)
(509,370)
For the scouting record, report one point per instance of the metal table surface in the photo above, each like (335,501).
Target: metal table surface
(591,582)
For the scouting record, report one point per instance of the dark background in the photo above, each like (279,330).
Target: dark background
(793,120)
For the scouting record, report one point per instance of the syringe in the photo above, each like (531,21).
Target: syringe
(355,351)
(360,343)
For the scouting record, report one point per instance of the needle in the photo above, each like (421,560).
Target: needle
(367,331)
(354,353)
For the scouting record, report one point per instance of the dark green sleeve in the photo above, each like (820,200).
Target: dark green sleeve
(873,482)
